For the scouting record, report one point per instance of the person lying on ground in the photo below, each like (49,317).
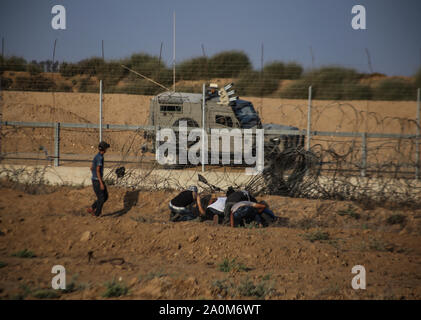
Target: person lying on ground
(100,189)
(246,212)
(232,198)
(181,205)
(214,210)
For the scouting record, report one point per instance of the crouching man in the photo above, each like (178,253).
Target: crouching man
(181,205)
(214,210)
(246,212)
(234,197)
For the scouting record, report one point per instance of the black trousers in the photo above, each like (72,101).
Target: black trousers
(210,212)
(102,196)
(227,211)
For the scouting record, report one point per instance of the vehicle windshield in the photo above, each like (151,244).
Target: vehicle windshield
(246,115)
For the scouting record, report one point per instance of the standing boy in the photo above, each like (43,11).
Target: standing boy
(100,189)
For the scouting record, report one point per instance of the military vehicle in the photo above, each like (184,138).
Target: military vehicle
(222,110)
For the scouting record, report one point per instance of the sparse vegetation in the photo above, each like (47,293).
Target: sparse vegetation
(115,289)
(316,236)
(25,292)
(379,245)
(36,82)
(222,288)
(349,212)
(335,243)
(248,288)
(74,286)
(329,83)
(233,265)
(24,254)
(396,219)
(306,223)
(45,294)
(39,293)
(332,291)
(152,275)
(251,225)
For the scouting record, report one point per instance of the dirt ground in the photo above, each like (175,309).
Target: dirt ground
(309,254)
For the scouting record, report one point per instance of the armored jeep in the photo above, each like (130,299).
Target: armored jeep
(222,110)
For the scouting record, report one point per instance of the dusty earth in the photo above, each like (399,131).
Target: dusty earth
(357,116)
(308,255)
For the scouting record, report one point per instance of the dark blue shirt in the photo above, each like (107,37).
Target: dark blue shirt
(97,161)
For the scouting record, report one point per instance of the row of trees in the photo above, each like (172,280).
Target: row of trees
(14,63)
(327,82)
(336,83)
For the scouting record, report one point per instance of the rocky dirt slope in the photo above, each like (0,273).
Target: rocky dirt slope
(308,255)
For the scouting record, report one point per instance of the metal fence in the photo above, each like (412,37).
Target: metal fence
(363,137)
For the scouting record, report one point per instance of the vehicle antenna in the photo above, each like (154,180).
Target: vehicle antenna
(173,63)
(145,77)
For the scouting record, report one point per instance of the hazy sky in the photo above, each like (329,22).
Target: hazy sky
(287,28)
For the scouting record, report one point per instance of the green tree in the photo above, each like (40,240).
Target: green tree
(193,69)
(33,68)
(252,83)
(15,64)
(292,71)
(274,70)
(228,64)
(394,89)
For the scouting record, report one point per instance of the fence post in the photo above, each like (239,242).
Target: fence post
(56,144)
(417,143)
(100,110)
(1,116)
(363,154)
(309,119)
(203,127)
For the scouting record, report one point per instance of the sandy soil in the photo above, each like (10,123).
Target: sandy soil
(369,116)
(157,259)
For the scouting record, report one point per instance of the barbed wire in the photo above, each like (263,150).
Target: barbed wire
(332,169)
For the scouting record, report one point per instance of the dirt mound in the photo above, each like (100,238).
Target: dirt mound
(133,246)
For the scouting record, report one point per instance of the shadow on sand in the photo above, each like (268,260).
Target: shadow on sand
(129,201)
